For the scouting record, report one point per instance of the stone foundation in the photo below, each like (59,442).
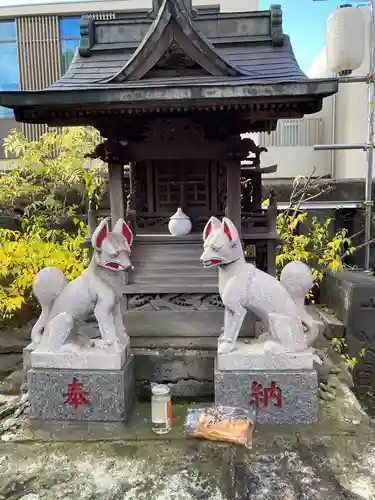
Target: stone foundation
(187,372)
(81,395)
(351,296)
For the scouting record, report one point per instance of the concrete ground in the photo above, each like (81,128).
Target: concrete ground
(333,459)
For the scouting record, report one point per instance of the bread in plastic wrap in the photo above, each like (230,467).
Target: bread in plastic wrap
(221,423)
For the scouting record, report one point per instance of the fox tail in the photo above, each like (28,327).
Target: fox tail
(297,279)
(48,284)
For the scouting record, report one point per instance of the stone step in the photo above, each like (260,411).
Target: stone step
(201,286)
(186,247)
(173,270)
(192,279)
(172,264)
(175,328)
(170,253)
(165,272)
(164,260)
(334,328)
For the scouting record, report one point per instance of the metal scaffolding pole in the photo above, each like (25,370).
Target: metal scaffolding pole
(369,146)
(370,152)
(329,147)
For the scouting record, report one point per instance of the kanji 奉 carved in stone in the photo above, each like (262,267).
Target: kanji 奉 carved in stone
(97,290)
(242,287)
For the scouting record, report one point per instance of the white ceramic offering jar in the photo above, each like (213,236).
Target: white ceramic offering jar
(179,224)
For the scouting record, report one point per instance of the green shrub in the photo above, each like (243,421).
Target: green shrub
(316,245)
(48,177)
(24,253)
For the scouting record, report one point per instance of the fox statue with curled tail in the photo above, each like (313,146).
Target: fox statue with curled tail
(242,287)
(97,290)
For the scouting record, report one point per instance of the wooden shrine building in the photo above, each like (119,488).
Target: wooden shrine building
(172,90)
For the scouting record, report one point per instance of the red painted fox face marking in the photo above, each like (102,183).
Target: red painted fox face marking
(113,247)
(221,243)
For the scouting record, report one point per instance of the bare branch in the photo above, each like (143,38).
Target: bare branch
(355,235)
(362,245)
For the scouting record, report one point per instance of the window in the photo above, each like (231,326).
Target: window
(294,133)
(69,40)
(9,74)
(291,133)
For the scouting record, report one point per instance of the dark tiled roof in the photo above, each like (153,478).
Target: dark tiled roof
(131,62)
(262,62)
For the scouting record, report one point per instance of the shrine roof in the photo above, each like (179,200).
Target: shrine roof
(174,55)
(260,60)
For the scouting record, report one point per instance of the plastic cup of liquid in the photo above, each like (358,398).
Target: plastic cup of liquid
(161,411)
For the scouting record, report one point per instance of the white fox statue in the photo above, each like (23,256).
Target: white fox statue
(97,290)
(242,287)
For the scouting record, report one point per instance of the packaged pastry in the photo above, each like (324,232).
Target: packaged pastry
(221,423)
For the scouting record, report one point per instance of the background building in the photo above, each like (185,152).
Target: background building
(342,120)
(37,43)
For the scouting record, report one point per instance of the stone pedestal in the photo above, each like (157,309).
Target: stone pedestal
(99,357)
(81,395)
(297,391)
(92,383)
(264,355)
(281,386)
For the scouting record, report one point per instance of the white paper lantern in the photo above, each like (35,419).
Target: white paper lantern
(345,39)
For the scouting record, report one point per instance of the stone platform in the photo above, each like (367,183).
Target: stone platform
(81,395)
(332,459)
(259,355)
(280,397)
(75,356)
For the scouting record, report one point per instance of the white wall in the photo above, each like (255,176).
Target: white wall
(352,121)
(291,147)
(351,115)
(293,161)
(237,5)
(349,111)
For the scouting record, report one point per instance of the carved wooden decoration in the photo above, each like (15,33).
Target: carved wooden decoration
(159,224)
(175,62)
(111,151)
(164,130)
(185,184)
(174,302)
(240,149)
(221,188)
(174,33)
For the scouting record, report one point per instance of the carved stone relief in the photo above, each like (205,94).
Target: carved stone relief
(175,302)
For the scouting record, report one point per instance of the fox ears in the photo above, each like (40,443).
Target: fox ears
(211,225)
(226,225)
(100,234)
(122,228)
(102,231)
(230,230)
